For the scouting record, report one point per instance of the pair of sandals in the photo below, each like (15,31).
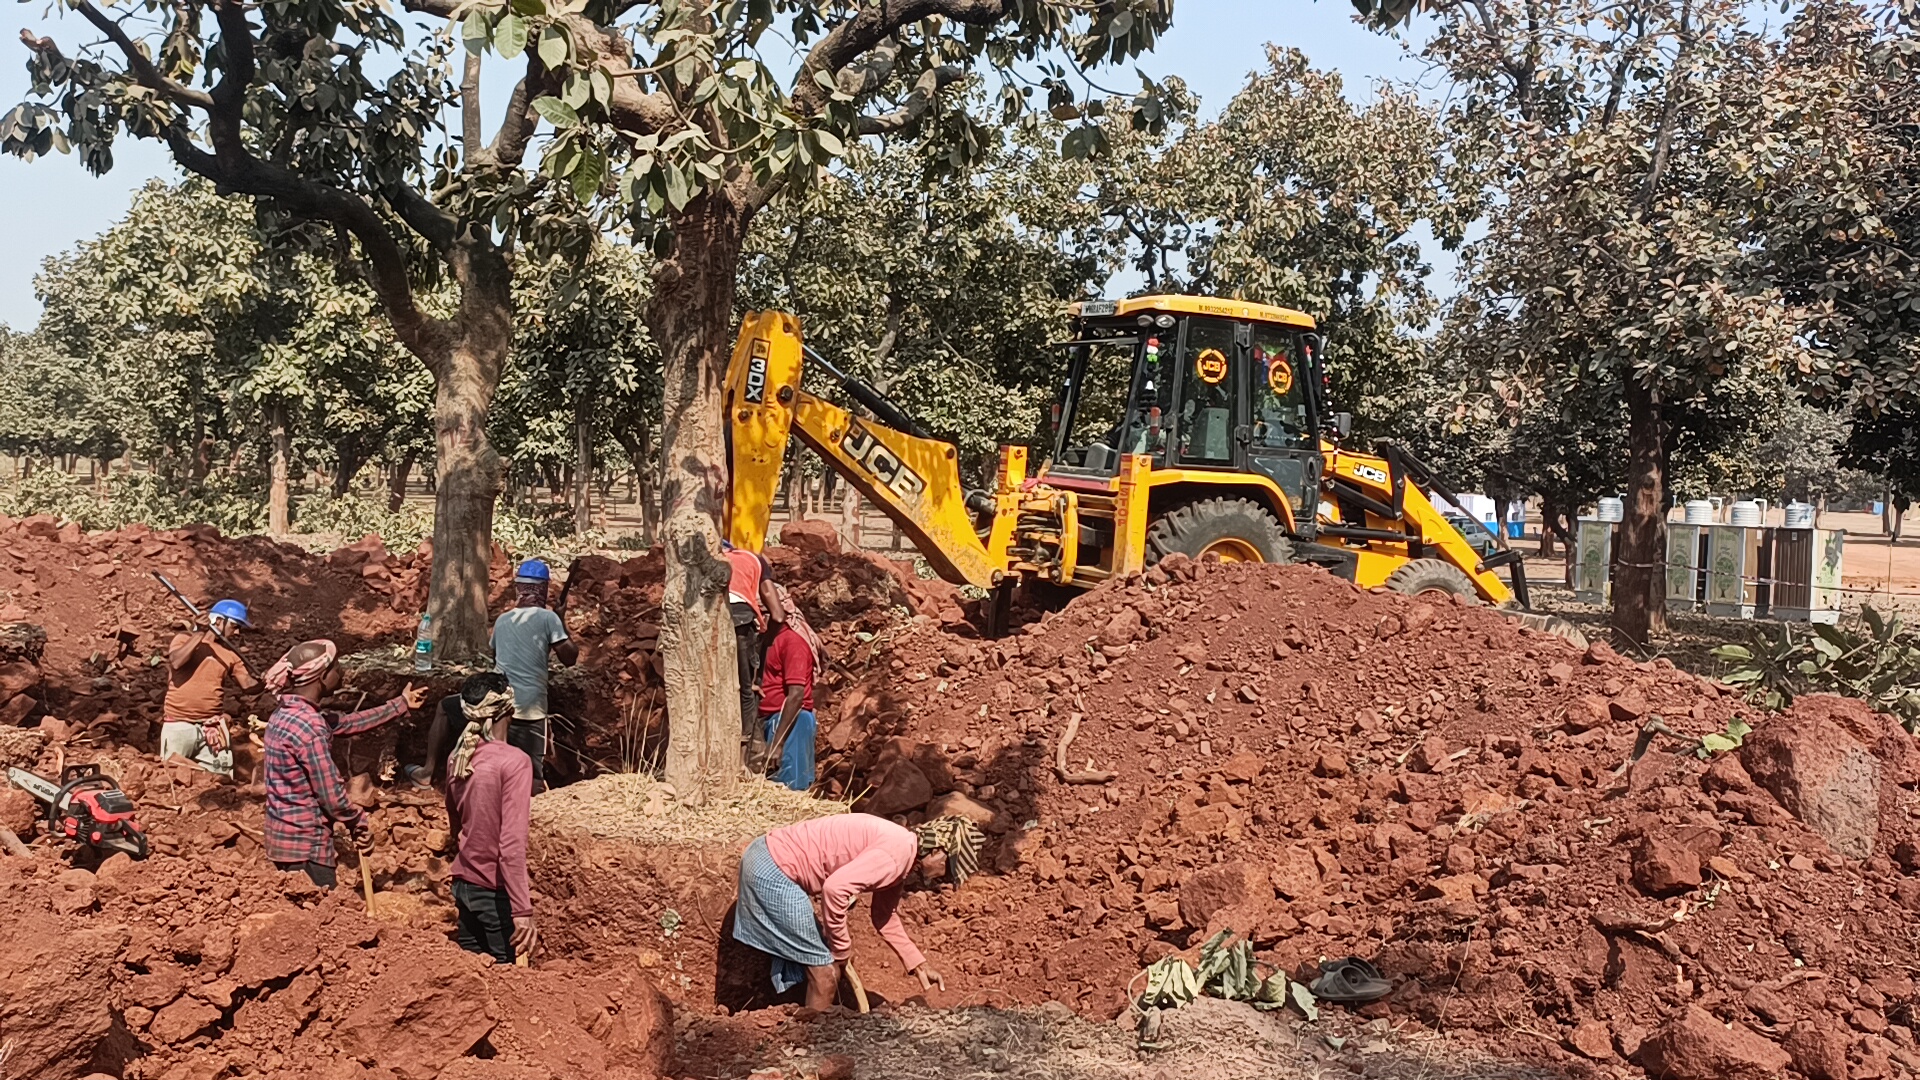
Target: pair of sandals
(1351,981)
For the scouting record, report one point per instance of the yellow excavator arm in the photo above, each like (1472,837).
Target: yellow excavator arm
(912,479)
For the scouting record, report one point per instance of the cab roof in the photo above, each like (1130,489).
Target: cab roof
(1194,305)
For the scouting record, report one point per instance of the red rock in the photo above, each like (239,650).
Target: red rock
(1591,1039)
(812,536)
(1769,1006)
(1416,618)
(1559,674)
(417,1019)
(1330,765)
(1819,1052)
(1727,774)
(1696,1046)
(1663,866)
(954,804)
(836,1067)
(1587,712)
(1124,628)
(1821,775)
(56,997)
(1628,707)
(1600,653)
(18,677)
(278,946)
(1431,756)
(1242,768)
(1295,875)
(1238,886)
(899,787)
(182,1020)
(20,811)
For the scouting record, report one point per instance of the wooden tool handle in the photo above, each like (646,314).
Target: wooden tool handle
(859,990)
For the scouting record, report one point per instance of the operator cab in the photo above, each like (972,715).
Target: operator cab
(1192,383)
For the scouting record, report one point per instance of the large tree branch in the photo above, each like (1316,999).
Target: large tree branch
(517,127)
(236,48)
(873,24)
(137,63)
(470,107)
(925,89)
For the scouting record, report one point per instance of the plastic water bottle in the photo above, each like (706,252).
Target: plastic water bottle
(423,645)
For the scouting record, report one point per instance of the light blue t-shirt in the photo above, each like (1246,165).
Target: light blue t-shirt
(522,638)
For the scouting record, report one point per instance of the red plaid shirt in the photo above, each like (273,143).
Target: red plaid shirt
(305,793)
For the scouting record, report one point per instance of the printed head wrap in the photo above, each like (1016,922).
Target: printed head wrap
(960,839)
(304,663)
(481,716)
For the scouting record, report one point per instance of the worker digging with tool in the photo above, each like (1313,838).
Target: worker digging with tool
(195,725)
(835,859)
(753,601)
(523,639)
(449,720)
(306,795)
(489,791)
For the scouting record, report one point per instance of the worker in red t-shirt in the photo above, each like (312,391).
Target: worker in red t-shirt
(786,707)
(755,606)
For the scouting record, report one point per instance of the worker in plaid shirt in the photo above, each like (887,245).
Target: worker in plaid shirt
(305,793)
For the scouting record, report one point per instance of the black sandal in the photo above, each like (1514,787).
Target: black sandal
(1352,981)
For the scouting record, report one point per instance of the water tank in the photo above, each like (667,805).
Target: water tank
(1612,509)
(1799,515)
(1699,512)
(1746,512)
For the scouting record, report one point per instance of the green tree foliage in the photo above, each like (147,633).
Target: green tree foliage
(1628,147)
(53,406)
(1300,198)
(191,326)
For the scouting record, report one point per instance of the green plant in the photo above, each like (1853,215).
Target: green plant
(1226,971)
(360,512)
(1876,660)
(1719,742)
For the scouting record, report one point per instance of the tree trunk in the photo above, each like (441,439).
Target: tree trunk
(398,477)
(1549,517)
(583,465)
(1638,611)
(466,467)
(279,520)
(691,314)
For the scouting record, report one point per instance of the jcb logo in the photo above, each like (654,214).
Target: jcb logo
(1368,472)
(757,374)
(866,452)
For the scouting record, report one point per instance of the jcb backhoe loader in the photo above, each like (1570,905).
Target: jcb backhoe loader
(1183,424)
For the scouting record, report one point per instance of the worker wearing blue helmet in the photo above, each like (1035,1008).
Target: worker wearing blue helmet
(525,638)
(195,724)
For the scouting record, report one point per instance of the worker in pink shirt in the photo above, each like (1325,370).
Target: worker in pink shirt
(835,859)
(489,795)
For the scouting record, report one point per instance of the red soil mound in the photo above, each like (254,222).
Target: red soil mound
(1338,772)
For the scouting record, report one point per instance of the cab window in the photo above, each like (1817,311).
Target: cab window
(1279,378)
(1207,379)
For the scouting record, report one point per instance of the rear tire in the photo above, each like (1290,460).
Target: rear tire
(1237,530)
(1425,577)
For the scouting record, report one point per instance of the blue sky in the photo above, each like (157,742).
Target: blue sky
(1213,45)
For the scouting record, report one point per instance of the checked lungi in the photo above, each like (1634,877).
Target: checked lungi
(776,916)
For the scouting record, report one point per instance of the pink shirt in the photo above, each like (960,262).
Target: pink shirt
(836,859)
(488,811)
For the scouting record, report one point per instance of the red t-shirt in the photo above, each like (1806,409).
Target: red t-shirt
(789,660)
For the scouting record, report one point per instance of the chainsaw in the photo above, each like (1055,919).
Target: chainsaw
(87,806)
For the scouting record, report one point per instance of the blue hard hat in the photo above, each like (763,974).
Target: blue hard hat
(532,570)
(232,611)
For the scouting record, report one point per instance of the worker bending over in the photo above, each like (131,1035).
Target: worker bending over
(523,638)
(489,790)
(835,859)
(194,723)
(305,793)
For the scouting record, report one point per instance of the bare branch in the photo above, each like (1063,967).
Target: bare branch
(925,89)
(640,113)
(137,62)
(442,8)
